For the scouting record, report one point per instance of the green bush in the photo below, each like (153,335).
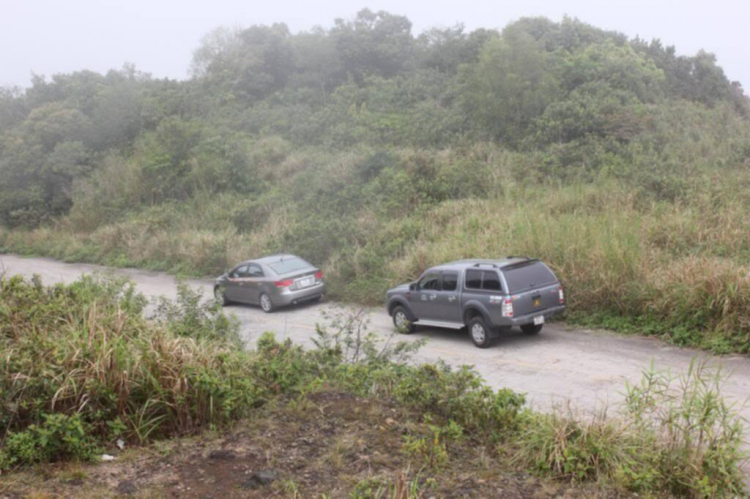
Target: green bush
(85,351)
(81,367)
(189,315)
(58,437)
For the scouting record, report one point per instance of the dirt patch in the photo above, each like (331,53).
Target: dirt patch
(329,442)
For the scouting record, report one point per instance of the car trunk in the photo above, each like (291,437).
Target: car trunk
(534,287)
(303,279)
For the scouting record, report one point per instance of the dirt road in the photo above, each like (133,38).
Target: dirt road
(587,368)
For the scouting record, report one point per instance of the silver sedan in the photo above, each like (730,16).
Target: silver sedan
(271,282)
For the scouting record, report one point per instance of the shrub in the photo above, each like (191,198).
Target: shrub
(58,437)
(190,316)
(86,351)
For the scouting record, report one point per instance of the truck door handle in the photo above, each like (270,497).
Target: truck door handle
(451,298)
(432,297)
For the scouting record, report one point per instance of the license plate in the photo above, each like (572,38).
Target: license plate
(306,282)
(538,320)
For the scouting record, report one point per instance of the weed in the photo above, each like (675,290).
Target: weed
(433,450)
(347,336)
(191,316)
(677,435)
(398,487)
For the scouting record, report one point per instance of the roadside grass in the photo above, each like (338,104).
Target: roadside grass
(81,368)
(679,270)
(674,431)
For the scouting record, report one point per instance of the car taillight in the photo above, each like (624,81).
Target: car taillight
(284,284)
(508,308)
(561,294)
(319,274)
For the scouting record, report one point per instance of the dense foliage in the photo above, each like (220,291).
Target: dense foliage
(375,152)
(81,369)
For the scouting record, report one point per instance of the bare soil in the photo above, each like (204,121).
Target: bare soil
(326,444)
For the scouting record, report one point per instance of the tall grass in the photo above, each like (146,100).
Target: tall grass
(630,256)
(677,434)
(86,350)
(81,368)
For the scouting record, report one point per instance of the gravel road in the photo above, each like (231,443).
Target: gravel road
(560,365)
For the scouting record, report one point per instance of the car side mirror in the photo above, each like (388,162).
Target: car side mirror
(413,286)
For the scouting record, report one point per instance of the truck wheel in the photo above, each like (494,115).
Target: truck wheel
(531,328)
(221,296)
(479,332)
(401,321)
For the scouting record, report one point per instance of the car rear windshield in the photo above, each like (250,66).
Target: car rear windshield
(530,276)
(289,265)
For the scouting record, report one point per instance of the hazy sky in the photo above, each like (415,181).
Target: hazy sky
(159,36)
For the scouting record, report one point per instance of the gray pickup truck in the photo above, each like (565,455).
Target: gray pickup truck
(485,296)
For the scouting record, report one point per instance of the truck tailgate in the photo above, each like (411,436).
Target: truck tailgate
(533,286)
(536,300)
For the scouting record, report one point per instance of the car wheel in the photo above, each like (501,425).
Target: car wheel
(221,296)
(479,332)
(266,304)
(531,328)
(401,321)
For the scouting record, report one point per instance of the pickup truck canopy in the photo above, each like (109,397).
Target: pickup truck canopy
(527,275)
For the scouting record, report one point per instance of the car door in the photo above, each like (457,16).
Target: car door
(235,286)
(448,302)
(424,298)
(253,283)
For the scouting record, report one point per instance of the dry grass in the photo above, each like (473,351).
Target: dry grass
(677,268)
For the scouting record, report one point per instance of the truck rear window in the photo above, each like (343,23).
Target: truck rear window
(528,276)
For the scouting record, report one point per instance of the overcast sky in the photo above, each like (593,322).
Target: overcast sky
(159,36)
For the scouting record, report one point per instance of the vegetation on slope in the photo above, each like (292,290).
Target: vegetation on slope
(375,153)
(82,368)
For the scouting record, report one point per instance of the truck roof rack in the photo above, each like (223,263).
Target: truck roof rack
(522,263)
(486,263)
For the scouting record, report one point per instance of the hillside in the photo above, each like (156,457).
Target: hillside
(375,152)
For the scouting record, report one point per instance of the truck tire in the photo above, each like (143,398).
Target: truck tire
(479,333)
(531,329)
(401,320)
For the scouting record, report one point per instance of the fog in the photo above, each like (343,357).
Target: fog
(49,36)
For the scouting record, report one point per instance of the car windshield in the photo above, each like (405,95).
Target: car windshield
(528,276)
(289,265)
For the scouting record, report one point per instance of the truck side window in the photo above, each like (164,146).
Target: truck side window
(430,281)
(474,279)
(491,281)
(450,281)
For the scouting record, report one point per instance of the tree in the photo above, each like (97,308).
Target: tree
(374,43)
(510,85)
(317,63)
(12,107)
(55,122)
(619,66)
(594,108)
(445,49)
(249,63)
